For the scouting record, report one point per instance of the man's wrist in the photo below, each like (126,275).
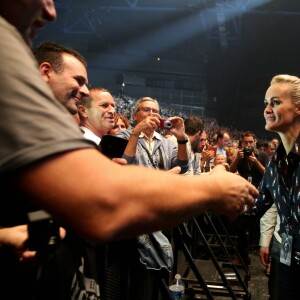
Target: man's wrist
(182,142)
(135,133)
(257,163)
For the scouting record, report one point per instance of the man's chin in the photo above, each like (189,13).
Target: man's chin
(269,127)
(72,109)
(110,125)
(108,128)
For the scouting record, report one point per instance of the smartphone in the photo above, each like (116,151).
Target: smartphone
(112,146)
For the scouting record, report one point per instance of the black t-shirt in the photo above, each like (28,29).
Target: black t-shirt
(34,125)
(70,273)
(246,169)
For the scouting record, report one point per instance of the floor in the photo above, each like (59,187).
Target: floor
(213,272)
(253,284)
(258,285)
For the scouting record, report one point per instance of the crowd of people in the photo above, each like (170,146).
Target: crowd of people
(125,105)
(59,188)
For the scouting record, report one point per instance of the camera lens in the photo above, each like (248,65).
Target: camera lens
(168,124)
(247,151)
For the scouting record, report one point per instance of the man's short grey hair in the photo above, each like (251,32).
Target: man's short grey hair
(141,100)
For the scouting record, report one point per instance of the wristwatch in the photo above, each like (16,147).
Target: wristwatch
(182,142)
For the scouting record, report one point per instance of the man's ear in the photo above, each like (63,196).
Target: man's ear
(297,112)
(196,136)
(45,70)
(82,111)
(134,117)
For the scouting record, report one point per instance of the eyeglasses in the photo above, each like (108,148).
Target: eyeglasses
(203,140)
(148,109)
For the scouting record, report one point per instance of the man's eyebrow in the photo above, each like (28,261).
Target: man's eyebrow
(107,103)
(82,79)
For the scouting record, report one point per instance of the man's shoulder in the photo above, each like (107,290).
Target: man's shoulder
(5,25)
(8,33)
(125,133)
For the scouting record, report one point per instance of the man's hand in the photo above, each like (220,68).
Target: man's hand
(240,155)
(151,123)
(207,155)
(175,170)
(15,238)
(264,254)
(178,129)
(120,161)
(232,193)
(256,163)
(253,159)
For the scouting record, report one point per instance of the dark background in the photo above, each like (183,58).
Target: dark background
(208,57)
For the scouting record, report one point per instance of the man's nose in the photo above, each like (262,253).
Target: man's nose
(49,11)
(84,90)
(112,109)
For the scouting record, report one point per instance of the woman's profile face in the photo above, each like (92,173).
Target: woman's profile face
(120,125)
(280,111)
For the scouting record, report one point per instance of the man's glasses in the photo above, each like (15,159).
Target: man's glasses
(148,109)
(203,140)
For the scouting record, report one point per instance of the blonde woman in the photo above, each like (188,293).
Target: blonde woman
(280,183)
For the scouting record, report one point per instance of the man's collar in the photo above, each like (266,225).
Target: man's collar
(89,135)
(156,135)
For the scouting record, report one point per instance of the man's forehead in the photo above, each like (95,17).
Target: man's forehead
(74,66)
(71,59)
(148,103)
(101,96)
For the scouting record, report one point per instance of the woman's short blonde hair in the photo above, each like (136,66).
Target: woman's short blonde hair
(294,81)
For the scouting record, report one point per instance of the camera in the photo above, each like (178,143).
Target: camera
(248,151)
(43,232)
(165,124)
